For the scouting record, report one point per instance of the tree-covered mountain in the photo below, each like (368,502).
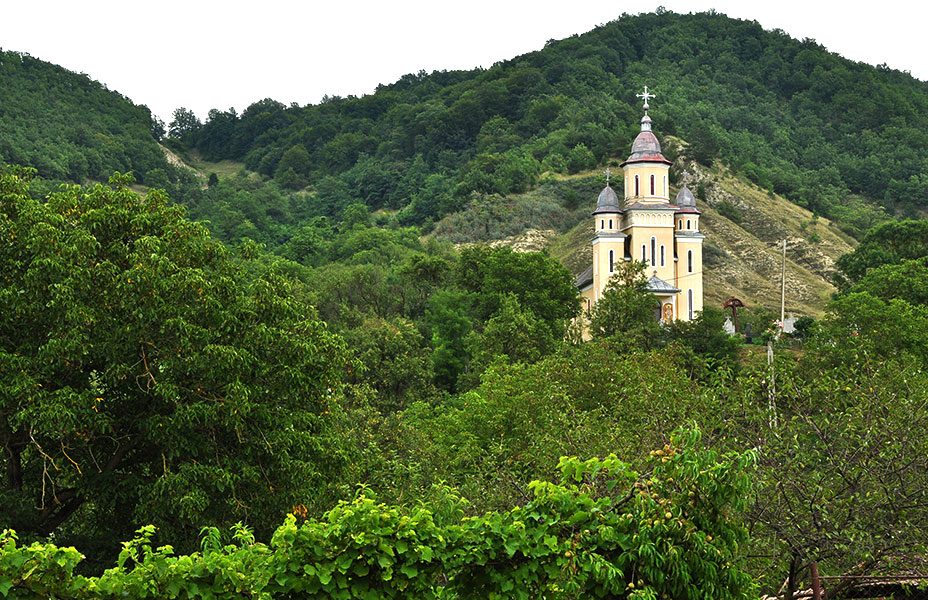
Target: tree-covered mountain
(70,127)
(150,376)
(838,137)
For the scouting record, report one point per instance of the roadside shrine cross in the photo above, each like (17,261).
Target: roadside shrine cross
(646,97)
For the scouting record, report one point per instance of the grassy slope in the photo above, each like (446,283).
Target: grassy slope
(748,257)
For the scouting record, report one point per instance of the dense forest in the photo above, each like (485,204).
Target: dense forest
(70,127)
(271,384)
(153,377)
(839,137)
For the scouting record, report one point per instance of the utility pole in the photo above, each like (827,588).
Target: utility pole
(783,288)
(772,384)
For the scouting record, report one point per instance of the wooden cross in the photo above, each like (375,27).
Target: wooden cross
(608,173)
(646,97)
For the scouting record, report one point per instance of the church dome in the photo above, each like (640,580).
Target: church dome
(608,201)
(645,145)
(685,198)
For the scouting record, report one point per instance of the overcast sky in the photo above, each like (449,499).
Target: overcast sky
(207,54)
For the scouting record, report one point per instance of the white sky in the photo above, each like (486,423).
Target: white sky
(210,54)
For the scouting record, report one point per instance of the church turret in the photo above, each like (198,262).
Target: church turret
(688,242)
(608,240)
(646,168)
(648,218)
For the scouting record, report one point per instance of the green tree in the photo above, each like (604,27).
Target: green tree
(885,244)
(580,158)
(448,316)
(513,333)
(394,360)
(626,311)
(146,377)
(705,345)
(184,122)
(539,283)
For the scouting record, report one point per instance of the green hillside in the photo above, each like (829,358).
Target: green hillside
(349,345)
(70,127)
(839,138)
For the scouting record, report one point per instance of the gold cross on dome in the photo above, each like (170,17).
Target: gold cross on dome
(608,173)
(646,97)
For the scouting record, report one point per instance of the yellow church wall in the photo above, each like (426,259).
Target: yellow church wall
(644,172)
(687,280)
(663,234)
(601,273)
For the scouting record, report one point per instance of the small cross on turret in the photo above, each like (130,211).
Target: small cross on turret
(685,176)
(608,173)
(646,97)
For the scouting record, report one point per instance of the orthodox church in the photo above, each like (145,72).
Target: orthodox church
(645,226)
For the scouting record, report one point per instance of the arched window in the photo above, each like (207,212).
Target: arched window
(611,261)
(610,223)
(662,255)
(680,224)
(666,193)
(653,251)
(688,224)
(689,304)
(644,253)
(602,223)
(689,261)
(636,186)
(652,185)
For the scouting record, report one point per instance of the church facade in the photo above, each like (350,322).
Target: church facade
(645,226)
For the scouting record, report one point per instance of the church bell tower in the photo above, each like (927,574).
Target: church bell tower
(645,226)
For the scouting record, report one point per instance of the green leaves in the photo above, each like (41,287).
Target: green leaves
(148,376)
(567,542)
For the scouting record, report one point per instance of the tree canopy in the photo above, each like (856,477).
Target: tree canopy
(147,378)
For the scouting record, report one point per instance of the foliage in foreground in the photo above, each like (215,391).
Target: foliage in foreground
(604,531)
(145,376)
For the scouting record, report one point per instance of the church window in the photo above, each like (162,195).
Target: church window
(689,261)
(680,224)
(653,251)
(602,223)
(610,223)
(689,303)
(652,185)
(611,261)
(636,186)
(666,193)
(688,224)
(644,253)
(662,255)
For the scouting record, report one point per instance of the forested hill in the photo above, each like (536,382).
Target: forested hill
(69,126)
(791,116)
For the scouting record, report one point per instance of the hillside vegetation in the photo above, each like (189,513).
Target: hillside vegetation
(842,139)
(407,394)
(68,126)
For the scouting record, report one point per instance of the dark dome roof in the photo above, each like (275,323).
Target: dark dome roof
(608,201)
(645,145)
(646,148)
(685,198)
